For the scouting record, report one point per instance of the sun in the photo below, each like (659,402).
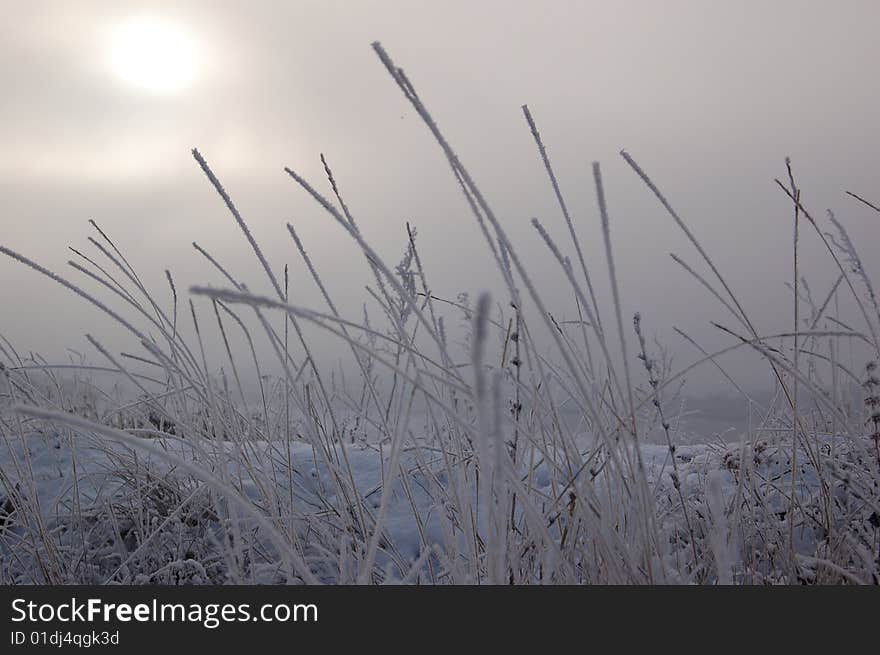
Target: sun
(153,54)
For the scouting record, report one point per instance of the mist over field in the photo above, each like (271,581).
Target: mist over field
(709,97)
(447,293)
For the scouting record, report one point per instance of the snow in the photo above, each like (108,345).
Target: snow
(92,490)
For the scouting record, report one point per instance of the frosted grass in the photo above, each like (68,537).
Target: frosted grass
(437,458)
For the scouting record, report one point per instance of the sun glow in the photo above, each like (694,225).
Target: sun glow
(154,55)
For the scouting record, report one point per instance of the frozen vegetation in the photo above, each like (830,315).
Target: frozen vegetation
(523,451)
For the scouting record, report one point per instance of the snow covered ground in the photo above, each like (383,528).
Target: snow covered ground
(136,517)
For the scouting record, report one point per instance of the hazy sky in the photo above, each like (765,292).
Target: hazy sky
(708,96)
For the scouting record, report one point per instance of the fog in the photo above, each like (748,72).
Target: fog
(708,97)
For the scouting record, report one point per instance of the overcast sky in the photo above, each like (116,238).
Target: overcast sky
(708,96)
